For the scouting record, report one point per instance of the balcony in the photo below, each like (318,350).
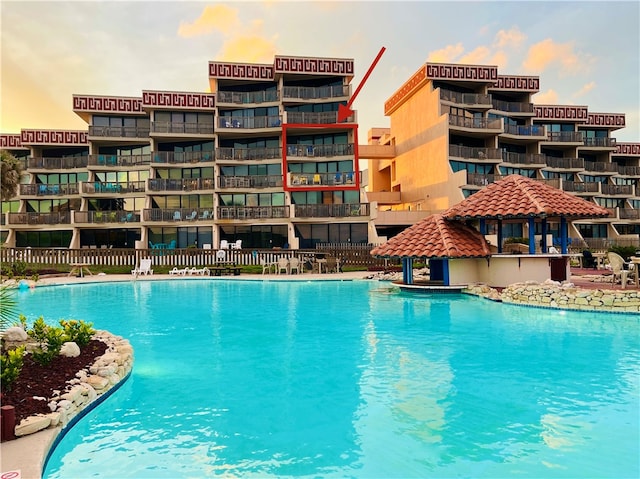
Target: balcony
(119,160)
(629,170)
(104,217)
(319,118)
(173,215)
(250,122)
(526,131)
(182,128)
(513,106)
(377,152)
(178,158)
(244,97)
(565,163)
(565,137)
(248,154)
(589,187)
(480,180)
(251,181)
(617,190)
(119,131)
(65,163)
(467,99)
(31,218)
(629,213)
(301,93)
(180,184)
(460,121)
(528,159)
(340,210)
(41,189)
(600,142)
(601,167)
(310,180)
(490,155)
(320,151)
(252,212)
(110,188)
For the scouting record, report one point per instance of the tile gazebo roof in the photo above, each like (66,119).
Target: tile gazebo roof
(519,197)
(435,237)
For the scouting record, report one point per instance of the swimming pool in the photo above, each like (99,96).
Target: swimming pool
(349,379)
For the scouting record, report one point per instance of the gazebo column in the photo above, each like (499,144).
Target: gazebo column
(483,226)
(532,235)
(407,270)
(563,235)
(445,272)
(499,236)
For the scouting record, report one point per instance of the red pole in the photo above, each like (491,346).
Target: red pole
(8,423)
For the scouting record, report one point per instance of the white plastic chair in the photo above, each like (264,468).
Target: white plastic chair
(294,265)
(283,265)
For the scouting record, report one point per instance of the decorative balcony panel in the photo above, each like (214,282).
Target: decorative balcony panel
(119,160)
(465,98)
(517,83)
(627,149)
(11,141)
(450,71)
(251,122)
(244,97)
(565,163)
(512,106)
(524,158)
(53,137)
(525,130)
(182,128)
(600,167)
(617,190)
(310,93)
(119,131)
(608,120)
(242,71)
(105,217)
(314,66)
(251,212)
(341,210)
(97,187)
(590,187)
(573,113)
(108,104)
(54,218)
(475,123)
(250,181)
(66,163)
(180,184)
(475,153)
(566,136)
(178,100)
(320,150)
(248,154)
(41,189)
(600,142)
(174,157)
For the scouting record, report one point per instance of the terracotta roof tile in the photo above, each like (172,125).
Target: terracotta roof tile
(518,197)
(435,237)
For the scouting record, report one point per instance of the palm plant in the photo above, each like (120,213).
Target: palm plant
(9,175)
(8,307)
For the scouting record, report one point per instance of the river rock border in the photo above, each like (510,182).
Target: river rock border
(90,384)
(565,295)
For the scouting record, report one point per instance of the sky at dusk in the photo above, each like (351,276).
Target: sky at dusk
(585,53)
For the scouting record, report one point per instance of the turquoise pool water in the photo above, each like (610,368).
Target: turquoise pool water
(350,379)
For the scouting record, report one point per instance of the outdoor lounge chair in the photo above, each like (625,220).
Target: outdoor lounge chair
(144,268)
(618,263)
(179,272)
(588,260)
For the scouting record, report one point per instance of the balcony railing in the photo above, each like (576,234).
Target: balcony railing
(54,218)
(119,131)
(180,184)
(250,122)
(251,212)
(101,217)
(325,117)
(581,186)
(513,106)
(565,163)
(98,187)
(177,214)
(251,181)
(629,213)
(629,170)
(465,98)
(320,150)
(244,154)
(601,166)
(174,157)
(474,153)
(477,179)
(331,210)
(57,163)
(119,160)
(600,142)
(565,136)
(304,180)
(475,123)
(184,128)
(242,97)
(524,158)
(42,189)
(625,190)
(314,93)
(525,130)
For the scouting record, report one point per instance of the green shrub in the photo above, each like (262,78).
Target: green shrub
(10,366)
(79,332)
(47,351)
(516,239)
(625,251)
(19,269)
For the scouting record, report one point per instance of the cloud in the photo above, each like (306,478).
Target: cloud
(250,48)
(585,89)
(447,54)
(512,38)
(549,97)
(213,18)
(548,53)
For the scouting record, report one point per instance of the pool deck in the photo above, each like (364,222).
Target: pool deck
(26,454)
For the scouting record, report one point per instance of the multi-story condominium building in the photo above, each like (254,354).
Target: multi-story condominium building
(261,159)
(456,128)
